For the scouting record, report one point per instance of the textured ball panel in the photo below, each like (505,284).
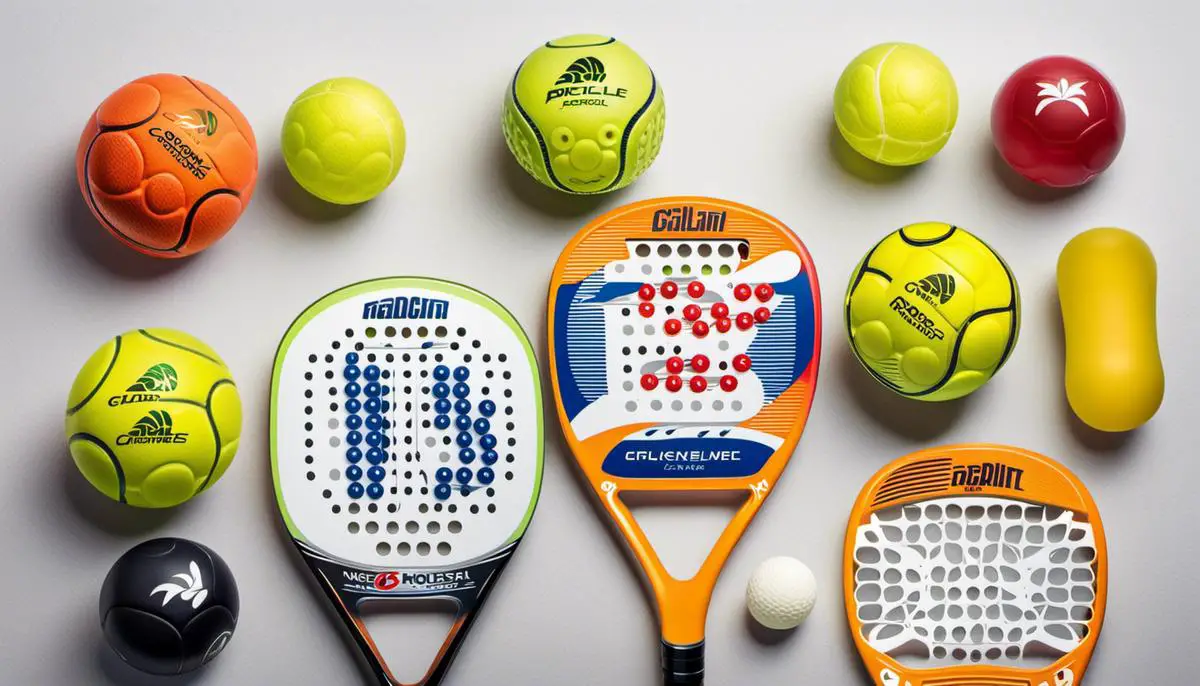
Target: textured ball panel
(130,104)
(212,217)
(115,164)
(97,466)
(147,642)
(206,635)
(95,370)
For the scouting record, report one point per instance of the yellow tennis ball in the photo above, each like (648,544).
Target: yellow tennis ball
(896,104)
(932,312)
(343,140)
(584,114)
(153,418)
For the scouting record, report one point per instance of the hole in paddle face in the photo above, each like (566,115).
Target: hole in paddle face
(408,633)
(683,526)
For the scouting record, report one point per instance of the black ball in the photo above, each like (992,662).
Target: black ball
(168,606)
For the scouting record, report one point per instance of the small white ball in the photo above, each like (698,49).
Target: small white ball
(781,593)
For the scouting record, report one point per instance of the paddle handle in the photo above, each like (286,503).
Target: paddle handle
(683,665)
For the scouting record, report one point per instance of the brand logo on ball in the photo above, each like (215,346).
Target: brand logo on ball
(195,121)
(1063,91)
(976,477)
(181,152)
(917,319)
(216,646)
(401,307)
(190,587)
(585,70)
(158,379)
(155,427)
(938,287)
(686,218)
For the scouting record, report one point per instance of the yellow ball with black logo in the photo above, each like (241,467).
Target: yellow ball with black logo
(932,312)
(584,114)
(153,418)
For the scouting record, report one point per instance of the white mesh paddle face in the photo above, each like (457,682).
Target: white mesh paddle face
(974,580)
(407,442)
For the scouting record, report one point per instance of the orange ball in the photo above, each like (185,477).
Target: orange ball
(167,164)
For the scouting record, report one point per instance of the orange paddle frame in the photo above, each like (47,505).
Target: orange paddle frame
(683,603)
(928,474)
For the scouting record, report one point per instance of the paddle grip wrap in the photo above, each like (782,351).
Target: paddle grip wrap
(683,665)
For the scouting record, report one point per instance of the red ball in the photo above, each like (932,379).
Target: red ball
(764,292)
(668,289)
(728,383)
(649,382)
(698,384)
(1058,121)
(695,289)
(646,292)
(741,363)
(675,365)
(719,310)
(646,309)
(724,324)
(700,329)
(699,363)
(691,313)
(761,315)
(741,291)
(674,383)
(672,326)
(745,320)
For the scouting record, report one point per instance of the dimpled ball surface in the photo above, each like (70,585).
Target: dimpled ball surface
(168,606)
(932,312)
(896,104)
(343,140)
(781,593)
(167,164)
(153,418)
(584,114)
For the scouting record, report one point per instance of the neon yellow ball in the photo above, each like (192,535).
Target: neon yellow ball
(896,104)
(343,140)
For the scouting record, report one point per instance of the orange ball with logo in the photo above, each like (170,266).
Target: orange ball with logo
(167,164)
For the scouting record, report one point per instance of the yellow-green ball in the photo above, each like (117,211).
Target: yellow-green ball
(343,140)
(896,104)
(153,418)
(584,114)
(932,312)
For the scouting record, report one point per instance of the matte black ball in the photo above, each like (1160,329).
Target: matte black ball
(168,606)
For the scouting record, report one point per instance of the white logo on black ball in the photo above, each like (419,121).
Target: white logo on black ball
(217,646)
(191,588)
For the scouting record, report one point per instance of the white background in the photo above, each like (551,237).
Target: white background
(748,89)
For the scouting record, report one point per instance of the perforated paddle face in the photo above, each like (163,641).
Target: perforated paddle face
(684,340)
(406,444)
(975,562)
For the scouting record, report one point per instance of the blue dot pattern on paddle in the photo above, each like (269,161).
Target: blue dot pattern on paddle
(353,454)
(353,421)
(462,406)
(441,389)
(374,491)
(354,437)
(371,373)
(374,422)
(354,472)
(463,440)
(353,405)
(376,473)
(442,421)
(489,457)
(441,491)
(444,475)
(482,426)
(355,490)
(486,475)
(466,456)
(461,374)
(488,441)
(353,389)
(487,408)
(441,372)
(442,406)
(351,358)
(373,406)
(462,423)
(461,390)
(351,373)
(374,439)
(463,475)
(376,456)
(373,389)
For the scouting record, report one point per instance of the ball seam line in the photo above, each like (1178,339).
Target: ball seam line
(112,362)
(83,436)
(212,421)
(172,344)
(879,102)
